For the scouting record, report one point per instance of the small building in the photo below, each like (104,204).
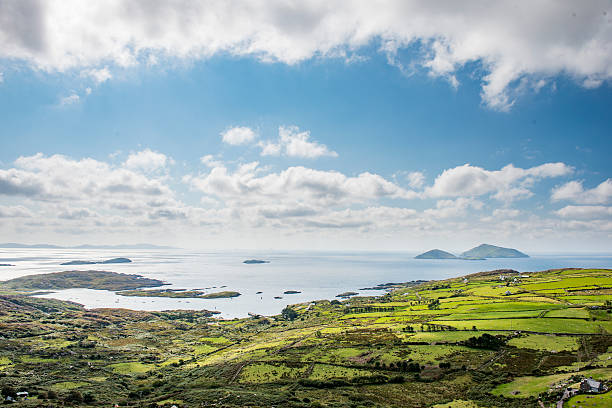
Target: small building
(22,395)
(590,385)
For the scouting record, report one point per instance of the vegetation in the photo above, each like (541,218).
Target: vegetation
(475,347)
(81,279)
(177,293)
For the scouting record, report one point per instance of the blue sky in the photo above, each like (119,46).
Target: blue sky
(393,138)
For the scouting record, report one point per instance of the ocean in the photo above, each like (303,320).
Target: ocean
(317,275)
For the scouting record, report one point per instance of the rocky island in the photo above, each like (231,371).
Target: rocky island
(436,254)
(255,261)
(108,261)
(478,253)
(100,280)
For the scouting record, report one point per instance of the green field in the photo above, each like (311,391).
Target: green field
(435,344)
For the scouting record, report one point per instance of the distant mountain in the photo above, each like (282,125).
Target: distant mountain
(14,245)
(492,251)
(436,254)
(49,246)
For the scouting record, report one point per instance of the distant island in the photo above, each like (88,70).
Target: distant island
(480,252)
(179,293)
(492,251)
(6,265)
(255,261)
(108,261)
(85,246)
(81,279)
(291,292)
(436,254)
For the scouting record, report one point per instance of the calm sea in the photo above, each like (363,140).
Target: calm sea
(317,275)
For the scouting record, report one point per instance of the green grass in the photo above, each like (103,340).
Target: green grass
(130,368)
(543,325)
(328,372)
(546,342)
(533,386)
(215,340)
(599,400)
(574,313)
(68,385)
(457,404)
(260,373)
(37,360)
(204,349)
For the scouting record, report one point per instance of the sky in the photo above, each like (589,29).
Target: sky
(316,125)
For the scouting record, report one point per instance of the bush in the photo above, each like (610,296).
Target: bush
(9,391)
(289,314)
(89,398)
(486,341)
(74,396)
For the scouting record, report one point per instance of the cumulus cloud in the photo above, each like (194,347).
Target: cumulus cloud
(147,161)
(509,41)
(585,211)
(575,191)
(16,211)
(454,208)
(70,99)
(295,185)
(210,161)
(293,143)
(508,184)
(59,178)
(98,75)
(416,179)
(238,135)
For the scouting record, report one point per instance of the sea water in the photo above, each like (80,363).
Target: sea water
(317,275)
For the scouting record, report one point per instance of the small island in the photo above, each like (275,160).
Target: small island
(179,293)
(291,292)
(436,254)
(478,253)
(108,261)
(255,261)
(100,280)
(6,265)
(346,295)
(492,251)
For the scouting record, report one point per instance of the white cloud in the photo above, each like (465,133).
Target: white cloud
(147,161)
(299,185)
(510,40)
(17,211)
(1,77)
(59,178)
(98,75)
(293,143)
(210,161)
(585,211)
(238,135)
(69,100)
(508,184)
(416,179)
(453,208)
(574,191)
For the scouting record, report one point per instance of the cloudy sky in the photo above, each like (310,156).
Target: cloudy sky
(307,124)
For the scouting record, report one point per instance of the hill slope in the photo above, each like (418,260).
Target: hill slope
(436,254)
(492,251)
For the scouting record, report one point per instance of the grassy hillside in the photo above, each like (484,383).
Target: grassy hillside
(478,342)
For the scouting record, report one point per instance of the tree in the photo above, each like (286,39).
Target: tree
(289,314)
(9,391)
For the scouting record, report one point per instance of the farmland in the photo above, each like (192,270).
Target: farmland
(488,339)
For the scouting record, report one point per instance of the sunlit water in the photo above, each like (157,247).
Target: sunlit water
(318,275)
